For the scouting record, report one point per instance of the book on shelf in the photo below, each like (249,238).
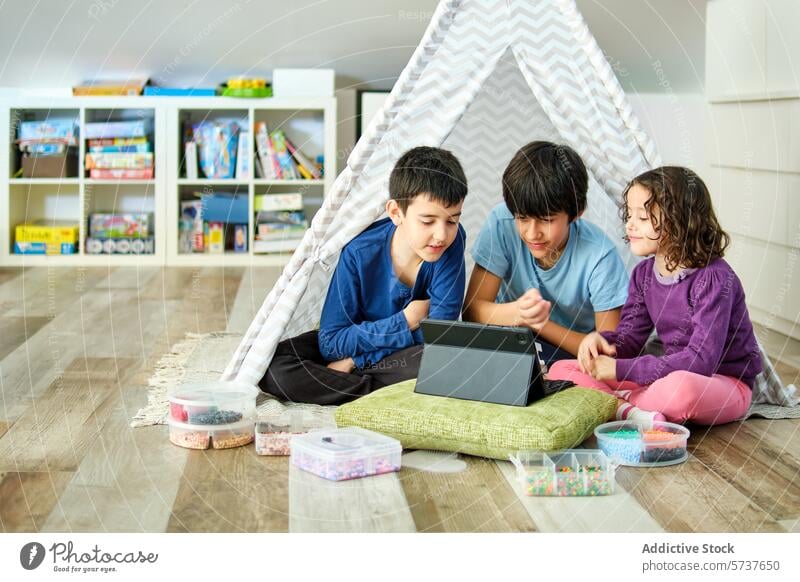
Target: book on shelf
(306,167)
(268,231)
(130,161)
(58,129)
(118,142)
(121,174)
(190,159)
(276,246)
(270,168)
(242,158)
(279,230)
(289,217)
(118,129)
(277,202)
(287,164)
(110,87)
(142,148)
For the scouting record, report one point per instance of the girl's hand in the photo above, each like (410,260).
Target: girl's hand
(592,346)
(604,368)
(347,365)
(532,310)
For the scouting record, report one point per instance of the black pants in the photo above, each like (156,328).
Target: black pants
(299,373)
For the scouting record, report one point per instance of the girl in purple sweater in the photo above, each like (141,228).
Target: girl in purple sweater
(692,298)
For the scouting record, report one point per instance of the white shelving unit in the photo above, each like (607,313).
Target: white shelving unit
(309,122)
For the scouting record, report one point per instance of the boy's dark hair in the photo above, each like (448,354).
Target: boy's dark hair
(692,236)
(433,171)
(543,179)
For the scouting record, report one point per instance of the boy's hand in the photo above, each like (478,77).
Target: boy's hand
(532,310)
(592,346)
(347,365)
(416,311)
(604,368)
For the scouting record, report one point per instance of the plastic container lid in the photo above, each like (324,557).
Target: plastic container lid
(341,444)
(212,393)
(247,423)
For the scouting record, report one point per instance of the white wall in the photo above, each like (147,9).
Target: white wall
(752,135)
(675,122)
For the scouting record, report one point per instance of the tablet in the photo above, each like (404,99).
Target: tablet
(487,363)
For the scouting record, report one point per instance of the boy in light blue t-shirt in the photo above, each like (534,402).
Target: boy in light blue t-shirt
(538,264)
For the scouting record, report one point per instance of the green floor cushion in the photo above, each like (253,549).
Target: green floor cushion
(560,421)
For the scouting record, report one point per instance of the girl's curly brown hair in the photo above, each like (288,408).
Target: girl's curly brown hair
(691,234)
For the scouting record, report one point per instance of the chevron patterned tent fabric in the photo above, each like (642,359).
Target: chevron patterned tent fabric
(487,77)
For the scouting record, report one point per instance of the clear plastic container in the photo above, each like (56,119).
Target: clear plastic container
(275,439)
(274,436)
(213,403)
(345,453)
(568,473)
(638,444)
(224,436)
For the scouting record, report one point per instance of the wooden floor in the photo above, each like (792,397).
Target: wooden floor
(78,345)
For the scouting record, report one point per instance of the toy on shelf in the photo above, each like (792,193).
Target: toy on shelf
(244,87)
(119,150)
(46,238)
(48,148)
(120,234)
(217,147)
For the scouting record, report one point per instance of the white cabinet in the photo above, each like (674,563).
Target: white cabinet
(310,122)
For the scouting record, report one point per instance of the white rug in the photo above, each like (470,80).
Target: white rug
(203,357)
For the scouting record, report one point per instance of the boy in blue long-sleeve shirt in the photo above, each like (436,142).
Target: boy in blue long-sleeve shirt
(402,269)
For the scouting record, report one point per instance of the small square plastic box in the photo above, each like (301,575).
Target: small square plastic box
(274,439)
(212,414)
(345,453)
(567,473)
(638,444)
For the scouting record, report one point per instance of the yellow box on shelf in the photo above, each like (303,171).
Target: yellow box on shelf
(48,232)
(46,238)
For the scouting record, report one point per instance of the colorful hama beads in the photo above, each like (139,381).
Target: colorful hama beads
(624,444)
(178,412)
(343,470)
(274,443)
(231,439)
(190,439)
(215,416)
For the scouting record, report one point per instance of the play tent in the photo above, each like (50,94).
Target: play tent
(487,77)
